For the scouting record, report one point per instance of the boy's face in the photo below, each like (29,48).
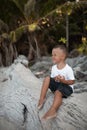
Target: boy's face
(58,55)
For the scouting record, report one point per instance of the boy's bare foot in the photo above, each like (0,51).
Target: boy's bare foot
(41,103)
(50,114)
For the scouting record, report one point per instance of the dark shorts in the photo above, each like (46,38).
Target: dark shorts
(65,89)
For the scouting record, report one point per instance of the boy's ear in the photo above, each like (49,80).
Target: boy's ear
(63,57)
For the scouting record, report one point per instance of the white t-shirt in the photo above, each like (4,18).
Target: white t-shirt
(67,72)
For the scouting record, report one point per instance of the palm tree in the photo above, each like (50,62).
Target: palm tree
(60,13)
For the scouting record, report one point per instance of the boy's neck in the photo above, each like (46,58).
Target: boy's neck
(61,65)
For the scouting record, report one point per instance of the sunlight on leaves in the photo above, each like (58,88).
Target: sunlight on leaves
(83,39)
(86,27)
(63,40)
(83,46)
(13,36)
(58,11)
(32,27)
(5,35)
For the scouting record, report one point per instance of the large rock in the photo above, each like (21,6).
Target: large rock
(19,94)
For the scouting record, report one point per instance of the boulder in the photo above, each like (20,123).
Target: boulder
(19,95)
(81,76)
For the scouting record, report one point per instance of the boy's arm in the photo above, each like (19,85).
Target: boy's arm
(69,82)
(62,80)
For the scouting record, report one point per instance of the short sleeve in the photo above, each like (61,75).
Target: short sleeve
(70,75)
(52,74)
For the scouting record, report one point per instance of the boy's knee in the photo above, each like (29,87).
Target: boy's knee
(57,92)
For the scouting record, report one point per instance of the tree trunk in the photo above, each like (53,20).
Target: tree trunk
(6,54)
(1,64)
(37,49)
(11,52)
(67,30)
(19,94)
(32,52)
(15,53)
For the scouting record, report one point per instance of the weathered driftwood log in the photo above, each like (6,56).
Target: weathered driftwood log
(19,94)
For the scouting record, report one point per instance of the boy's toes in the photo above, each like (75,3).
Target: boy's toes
(49,115)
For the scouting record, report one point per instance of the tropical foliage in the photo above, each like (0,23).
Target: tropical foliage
(33,27)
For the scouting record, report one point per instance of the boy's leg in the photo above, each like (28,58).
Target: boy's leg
(56,104)
(44,89)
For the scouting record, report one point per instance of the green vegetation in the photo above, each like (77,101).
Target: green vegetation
(33,25)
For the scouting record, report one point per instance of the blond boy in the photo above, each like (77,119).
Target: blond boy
(60,82)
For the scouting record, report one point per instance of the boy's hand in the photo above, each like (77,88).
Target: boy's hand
(59,78)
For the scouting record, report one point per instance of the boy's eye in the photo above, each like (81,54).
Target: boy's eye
(54,55)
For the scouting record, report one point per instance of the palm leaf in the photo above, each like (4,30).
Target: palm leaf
(17,3)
